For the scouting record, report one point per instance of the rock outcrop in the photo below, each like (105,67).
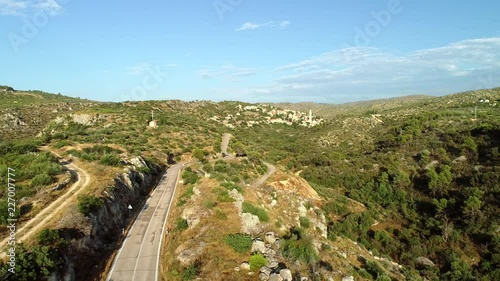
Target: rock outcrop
(94,237)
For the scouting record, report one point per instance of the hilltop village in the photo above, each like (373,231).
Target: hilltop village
(267,114)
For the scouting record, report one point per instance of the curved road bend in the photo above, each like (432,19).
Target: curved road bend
(271,169)
(46,214)
(138,258)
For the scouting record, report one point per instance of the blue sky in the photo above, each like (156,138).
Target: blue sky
(250,50)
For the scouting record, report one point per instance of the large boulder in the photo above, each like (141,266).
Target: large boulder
(245,266)
(270,237)
(258,246)
(249,223)
(286,274)
(423,261)
(276,277)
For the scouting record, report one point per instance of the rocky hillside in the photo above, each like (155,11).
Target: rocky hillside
(400,189)
(27,113)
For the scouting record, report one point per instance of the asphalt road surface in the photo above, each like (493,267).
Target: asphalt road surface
(138,259)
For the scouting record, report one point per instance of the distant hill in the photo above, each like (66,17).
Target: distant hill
(26,113)
(15,98)
(398,104)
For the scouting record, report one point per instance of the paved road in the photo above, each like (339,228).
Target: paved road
(138,259)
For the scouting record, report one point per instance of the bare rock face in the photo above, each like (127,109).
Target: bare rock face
(84,119)
(459,159)
(249,223)
(258,246)
(245,266)
(286,274)
(270,237)
(192,216)
(348,278)
(276,277)
(423,261)
(187,254)
(13,122)
(138,162)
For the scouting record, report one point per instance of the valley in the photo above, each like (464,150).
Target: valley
(398,189)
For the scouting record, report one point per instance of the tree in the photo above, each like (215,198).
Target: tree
(438,183)
(199,154)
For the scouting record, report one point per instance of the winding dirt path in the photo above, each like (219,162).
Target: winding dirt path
(43,217)
(224,144)
(271,169)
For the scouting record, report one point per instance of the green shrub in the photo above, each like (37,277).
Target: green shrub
(304,222)
(88,204)
(49,237)
(190,272)
(41,180)
(190,177)
(144,170)
(299,248)
(181,224)
(220,215)
(35,263)
(257,261)
(230,186)
(241,243)
(209,204)
(374,269)
(63,143)
(110,160)
(255,210)
(223,195)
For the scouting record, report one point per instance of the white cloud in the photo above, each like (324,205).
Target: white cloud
(143,67)
(12,7)
(252,25)
(139,68)
(356,72)
(284,24)
(226,71)
(51,7)
(28,7)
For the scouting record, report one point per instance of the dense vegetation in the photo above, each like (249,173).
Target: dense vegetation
(430,183)
(426,173)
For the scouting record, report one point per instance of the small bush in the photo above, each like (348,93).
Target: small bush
(190,177)
(181,224)
(63,143)
(209,204)
(230,186)
(190,272)
(144,170)
(49,237)
(88,204)
(255,210)
(304,222)
(223,195)
(41,180)
(257,261)
(110,160)
(241,243)
(301,249)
